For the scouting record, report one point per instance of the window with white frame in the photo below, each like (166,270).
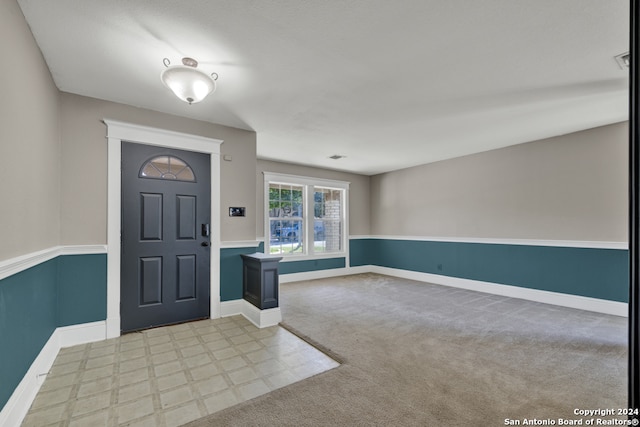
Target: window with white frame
(305,217)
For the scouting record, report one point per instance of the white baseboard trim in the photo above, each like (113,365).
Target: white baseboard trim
(555,298)
(231,308)
(260,318)
(82,334)
(22,397)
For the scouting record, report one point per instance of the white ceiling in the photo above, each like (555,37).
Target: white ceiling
(388,84)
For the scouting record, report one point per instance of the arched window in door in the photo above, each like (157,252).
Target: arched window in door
(167,167)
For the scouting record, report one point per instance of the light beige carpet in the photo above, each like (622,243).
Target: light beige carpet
(416,354)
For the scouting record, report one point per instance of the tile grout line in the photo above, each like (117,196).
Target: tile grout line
(115,391)
(73,395)
(224,372)
(158,412)
(199,399)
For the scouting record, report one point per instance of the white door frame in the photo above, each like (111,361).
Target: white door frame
(118,132)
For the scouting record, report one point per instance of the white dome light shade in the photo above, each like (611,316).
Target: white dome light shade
(188,83)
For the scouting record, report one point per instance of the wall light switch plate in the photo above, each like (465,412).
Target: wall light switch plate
(236,211)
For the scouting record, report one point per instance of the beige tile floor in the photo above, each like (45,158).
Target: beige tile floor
(169,376)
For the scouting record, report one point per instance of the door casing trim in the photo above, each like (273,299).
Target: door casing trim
(121,131)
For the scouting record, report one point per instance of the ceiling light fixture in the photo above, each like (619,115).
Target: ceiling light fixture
(187,82)
(623,60)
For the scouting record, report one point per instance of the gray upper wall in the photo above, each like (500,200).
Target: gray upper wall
(571,187)
(84,166)
(29,141)
(359,192)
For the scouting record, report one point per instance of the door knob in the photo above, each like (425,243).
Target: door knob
(205,244)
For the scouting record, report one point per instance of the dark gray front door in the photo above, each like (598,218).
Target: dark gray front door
(166,212)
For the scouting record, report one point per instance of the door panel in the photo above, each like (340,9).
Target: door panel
(150,283)
(186,214)
(151,216)
(165,259)
(186,277)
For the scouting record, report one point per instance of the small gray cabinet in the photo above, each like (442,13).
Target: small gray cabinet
(260,279)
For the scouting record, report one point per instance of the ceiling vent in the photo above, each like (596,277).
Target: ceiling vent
(623,60)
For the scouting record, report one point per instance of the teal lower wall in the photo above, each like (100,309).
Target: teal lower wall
(27,320)
(595,273)
(231,271)
(66,290)
(82,289)
(311,265)
(72,289)
(360,252)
